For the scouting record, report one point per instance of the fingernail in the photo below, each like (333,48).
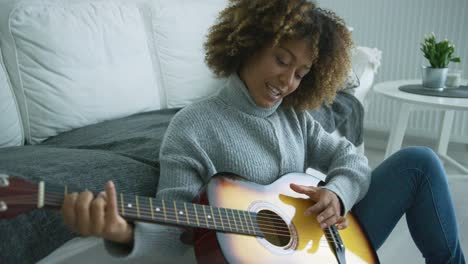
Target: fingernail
(323,225)
(319,219)
(340,227)
(307,213)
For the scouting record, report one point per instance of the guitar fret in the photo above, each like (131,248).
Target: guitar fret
(155,209)
(151,207)
(196,214)
(214,219)
(164,210)
(221,218)
(206,218)
(240,220)
(251,223)
(160,207)
(175,212)
(255,228)
(128,208)
(186,213)
(246,222)
(122,204)
(234,218)
(137,206)
(227,217)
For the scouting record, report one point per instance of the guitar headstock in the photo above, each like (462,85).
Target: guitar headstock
(17,196)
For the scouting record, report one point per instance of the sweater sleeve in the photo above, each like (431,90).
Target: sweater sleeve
(180,179)
(348,172)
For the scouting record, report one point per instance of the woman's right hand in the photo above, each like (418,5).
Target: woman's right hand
(97,216)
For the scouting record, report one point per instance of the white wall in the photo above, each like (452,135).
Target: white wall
(397,27)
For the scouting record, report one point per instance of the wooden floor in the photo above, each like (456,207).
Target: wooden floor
(399,248)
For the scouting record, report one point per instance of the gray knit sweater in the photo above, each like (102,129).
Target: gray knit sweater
(230,133)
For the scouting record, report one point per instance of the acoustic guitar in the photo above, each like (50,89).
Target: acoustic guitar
(232,220)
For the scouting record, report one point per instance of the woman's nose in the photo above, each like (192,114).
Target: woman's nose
(287,78)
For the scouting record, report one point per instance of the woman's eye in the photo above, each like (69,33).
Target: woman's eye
(280,61)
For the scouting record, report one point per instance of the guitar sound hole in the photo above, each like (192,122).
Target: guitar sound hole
(273,227)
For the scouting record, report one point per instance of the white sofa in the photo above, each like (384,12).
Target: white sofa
(67,64)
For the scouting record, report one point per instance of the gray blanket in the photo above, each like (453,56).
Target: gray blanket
(346,115)
(125,150)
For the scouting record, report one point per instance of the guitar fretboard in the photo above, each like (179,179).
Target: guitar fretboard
(188,214)
(147,209)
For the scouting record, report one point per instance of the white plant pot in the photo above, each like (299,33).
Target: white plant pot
(434,78)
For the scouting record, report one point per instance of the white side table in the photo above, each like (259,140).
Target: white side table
(409,102)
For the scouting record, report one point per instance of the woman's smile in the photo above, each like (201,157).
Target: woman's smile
(276,71)
(273,92)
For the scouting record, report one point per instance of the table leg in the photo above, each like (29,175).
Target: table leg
(397,131)
(445,131)
(444,138)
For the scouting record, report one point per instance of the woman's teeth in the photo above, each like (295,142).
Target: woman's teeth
(275,92)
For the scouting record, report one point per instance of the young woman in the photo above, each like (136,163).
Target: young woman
(279,57)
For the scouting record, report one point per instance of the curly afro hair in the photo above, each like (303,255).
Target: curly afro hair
(246,26)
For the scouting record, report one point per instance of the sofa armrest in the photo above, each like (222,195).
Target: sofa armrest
(365,62)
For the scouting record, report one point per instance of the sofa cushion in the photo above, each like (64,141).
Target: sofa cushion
(79,63)
(351,81)
(181,27)
(11,132)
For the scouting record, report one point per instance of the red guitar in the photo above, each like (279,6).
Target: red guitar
(234,221)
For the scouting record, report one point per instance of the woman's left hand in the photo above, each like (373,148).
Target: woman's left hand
(327,205)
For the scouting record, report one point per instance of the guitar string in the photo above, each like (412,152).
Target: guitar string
(246,225)
(129,212)
(265,231)
(60,195)
(213,222)
(169,210)
(326,231)
(190,217)
(146,203)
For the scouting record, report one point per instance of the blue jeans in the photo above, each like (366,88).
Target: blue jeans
(412,181)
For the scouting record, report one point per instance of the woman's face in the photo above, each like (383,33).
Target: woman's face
(276,71)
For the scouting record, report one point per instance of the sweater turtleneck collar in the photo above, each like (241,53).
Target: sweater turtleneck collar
(236,94)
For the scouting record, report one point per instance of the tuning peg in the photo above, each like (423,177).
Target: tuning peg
(4,181)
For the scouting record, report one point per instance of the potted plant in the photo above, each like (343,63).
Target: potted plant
(439,55)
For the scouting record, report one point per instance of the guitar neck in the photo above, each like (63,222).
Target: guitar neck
(147,209)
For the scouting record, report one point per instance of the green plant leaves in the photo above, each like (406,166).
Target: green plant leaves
(439,54)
